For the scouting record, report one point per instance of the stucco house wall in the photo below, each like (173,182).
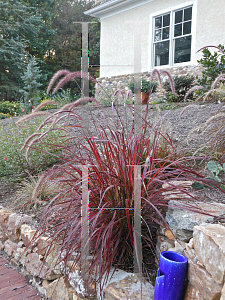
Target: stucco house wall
(117,31)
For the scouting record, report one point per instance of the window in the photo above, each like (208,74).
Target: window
(172,37)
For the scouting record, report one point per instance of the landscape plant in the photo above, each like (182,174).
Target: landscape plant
(110,151)
(143,85)
(213,65)
(10,109)
(182,85)
(14,162)
(31,78)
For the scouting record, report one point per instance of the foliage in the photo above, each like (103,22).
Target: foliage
(10,108)
(110,152)
(31,84)
(4,116)
(64,97)
(214,168)
(145,86)
(24,193)
(47,106)
(13,161)
(214,65)
(65,46)
(182,84)
(23,33)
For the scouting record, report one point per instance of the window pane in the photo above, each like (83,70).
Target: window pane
(166,20)
(158,22)
(187,28)
(182,49)
(162,53)
(178,30)
(178,16)
(158,35)
(188,14)
(166,33)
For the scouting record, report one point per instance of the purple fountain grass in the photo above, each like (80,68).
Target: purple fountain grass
(111,154)
(55,77)
(211,46)
(69,77)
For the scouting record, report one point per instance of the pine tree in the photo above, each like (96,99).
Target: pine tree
(31,83)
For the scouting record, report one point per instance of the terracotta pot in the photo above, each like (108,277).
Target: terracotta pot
(145,97)
(141,98)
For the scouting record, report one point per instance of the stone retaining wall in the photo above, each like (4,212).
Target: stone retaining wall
(16,240)
(202,242)
(111,84)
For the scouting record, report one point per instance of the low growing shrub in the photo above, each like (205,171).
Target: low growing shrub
(213,64)
(10,108)
(182,84)
(13,161)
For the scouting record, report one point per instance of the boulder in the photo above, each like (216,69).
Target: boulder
(181,221)
(59,290)
(4,216)
(13,225)
(10,247)
(223,293)
(42,244)
(27,233)
(163,244)
(36,267)
(192,294)
(202,281)
(209,244)
(128,286)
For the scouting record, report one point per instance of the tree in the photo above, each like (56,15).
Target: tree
(65,50)
(31,82)
(23,32)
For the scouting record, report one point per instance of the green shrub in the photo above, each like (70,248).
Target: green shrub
(214,65)
(10,108)
(4,116)
(146,86)
(182,84)
(13,161)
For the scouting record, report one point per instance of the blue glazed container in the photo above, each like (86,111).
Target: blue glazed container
(170,276)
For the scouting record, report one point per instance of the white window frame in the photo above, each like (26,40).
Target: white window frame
(172,11)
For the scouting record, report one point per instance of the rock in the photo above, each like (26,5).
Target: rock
(1,246)
(181,222)
(163,244)
(174,193)
(59,289)
(223,293)
(42,244)
(10,247)
(202,281)
(128,287)
(178,247)
(20,255)
(192,294)
(36,267)
(168,233)
(4,216)
(27,233)
(209,244)
(14,223)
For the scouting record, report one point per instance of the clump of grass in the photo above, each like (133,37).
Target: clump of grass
(110,153)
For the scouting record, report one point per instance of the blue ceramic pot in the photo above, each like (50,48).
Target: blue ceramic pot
(170,276)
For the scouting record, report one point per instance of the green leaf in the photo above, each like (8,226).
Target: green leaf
(214,167)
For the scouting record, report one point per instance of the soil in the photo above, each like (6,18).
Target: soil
(178,127)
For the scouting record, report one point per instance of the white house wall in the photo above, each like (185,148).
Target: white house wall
(117,33)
